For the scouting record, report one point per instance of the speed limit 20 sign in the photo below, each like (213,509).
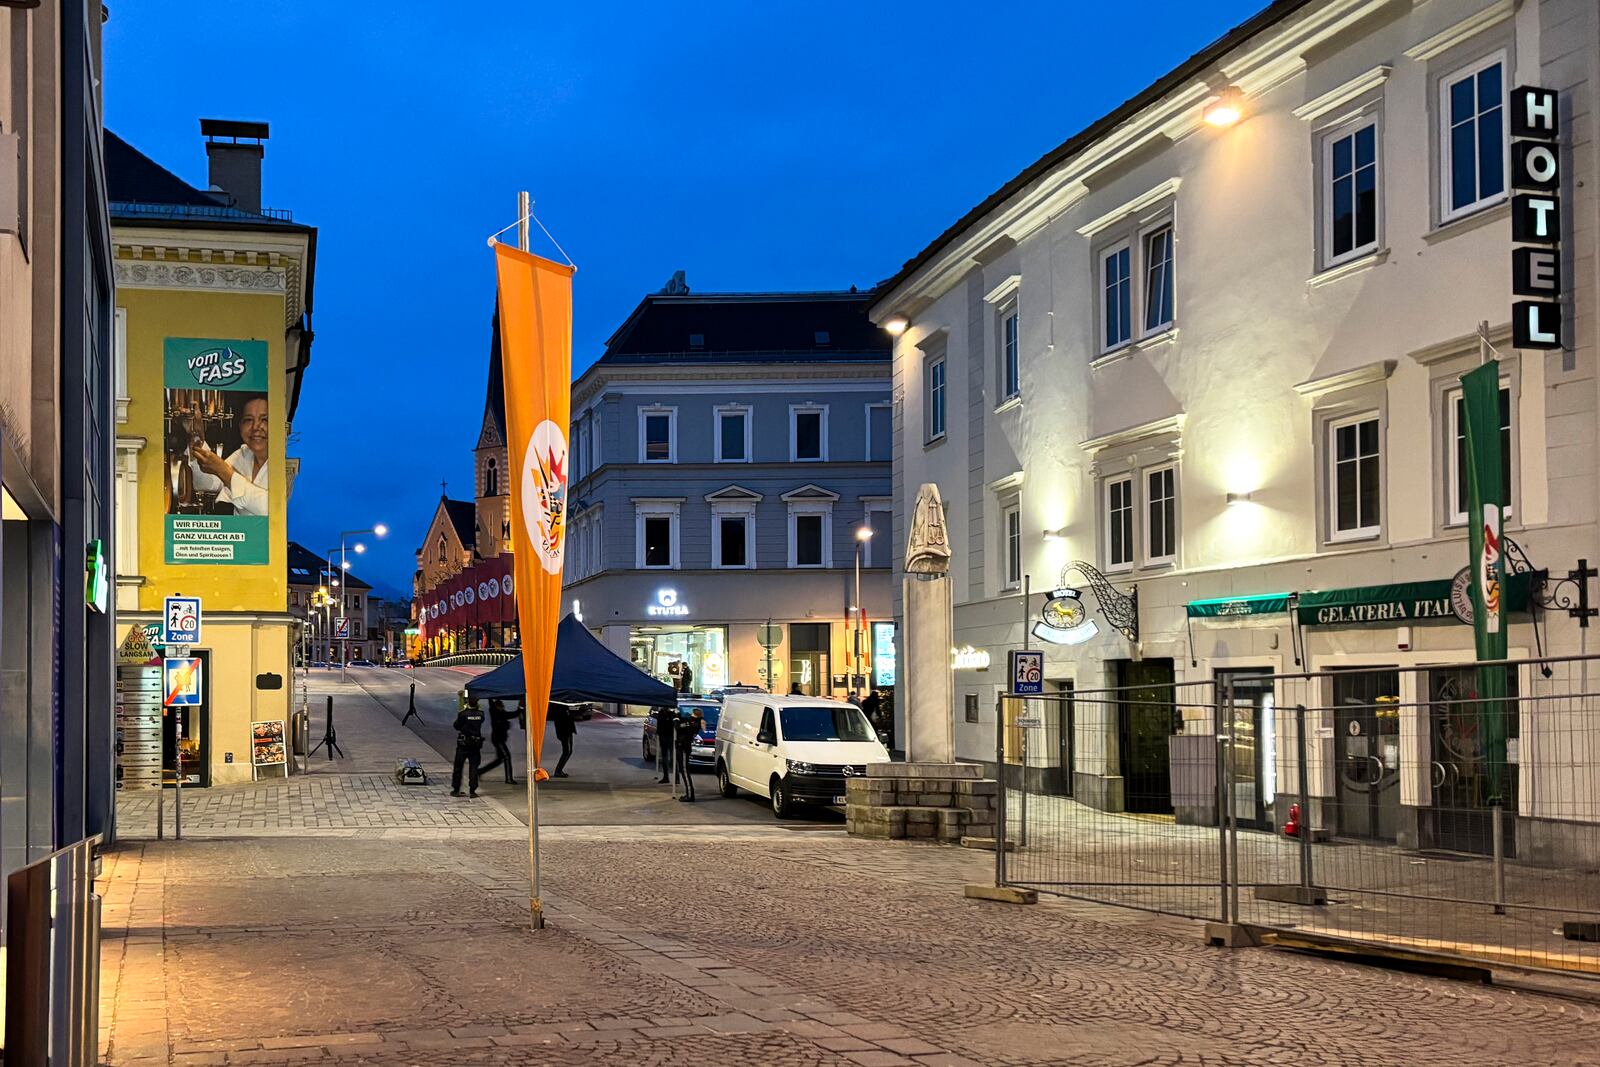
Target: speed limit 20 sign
(181,621)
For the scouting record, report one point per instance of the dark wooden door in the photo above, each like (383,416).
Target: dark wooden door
(1146,718)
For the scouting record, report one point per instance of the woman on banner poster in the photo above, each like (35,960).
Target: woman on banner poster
(241,479)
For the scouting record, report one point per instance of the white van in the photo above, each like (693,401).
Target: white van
(792,749)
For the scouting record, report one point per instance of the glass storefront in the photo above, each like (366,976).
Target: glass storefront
(691,659)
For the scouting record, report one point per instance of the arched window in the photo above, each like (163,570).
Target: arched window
(442,555)
(491,479)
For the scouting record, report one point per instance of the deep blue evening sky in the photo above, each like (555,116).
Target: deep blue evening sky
(757,146)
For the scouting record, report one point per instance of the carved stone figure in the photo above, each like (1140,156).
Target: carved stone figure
(928,547)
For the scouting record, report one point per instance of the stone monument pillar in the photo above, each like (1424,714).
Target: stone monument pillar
(930,732)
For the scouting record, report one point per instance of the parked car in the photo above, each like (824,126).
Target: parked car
(792,750)
(702,754)
(362,663)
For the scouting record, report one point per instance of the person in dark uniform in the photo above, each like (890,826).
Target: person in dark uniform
(469,746)
(566,730)
(666,728)
(687,729)
(500,721)
(686,679)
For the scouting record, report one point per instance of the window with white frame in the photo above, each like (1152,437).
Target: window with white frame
(808,433)
(733,529)
(733,434)
(656,530)
(1119,523)
(1472,137)
(1160,516)
(1010,365)
(810,533)
(580,447)
(1116,288)
(595,450)
(935,399)
(1350,190)
(880,432)
(658,434)
(878,518)
(1456,452)
(1011,539)
(1354,477)
(1157,246)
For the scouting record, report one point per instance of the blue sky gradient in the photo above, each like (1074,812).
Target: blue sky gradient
(761,146)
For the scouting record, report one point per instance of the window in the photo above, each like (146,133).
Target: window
(1158,279)
(1119,523)
(1354,478)
(491,478)
(1350,192)
(1118,314)
(880,431)
(658,434)
(879,519)
(580,450)
(733,435)
(1458,453)
(732,546)
(1161,515)
(1472,153)
(1011,525)
(657,534)
(808,433)
(935,408)
(594,441)
(1010,375)
(442,555)
(810,528)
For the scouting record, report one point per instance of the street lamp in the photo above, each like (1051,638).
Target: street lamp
(863,535)
(376,530)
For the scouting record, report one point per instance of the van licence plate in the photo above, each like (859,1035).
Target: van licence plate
(838,800)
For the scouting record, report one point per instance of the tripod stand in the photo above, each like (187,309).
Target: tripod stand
(329,737)
(411,707)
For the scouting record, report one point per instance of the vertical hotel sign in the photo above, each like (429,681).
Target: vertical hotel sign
(536,350)
(217,451)
(1537,273)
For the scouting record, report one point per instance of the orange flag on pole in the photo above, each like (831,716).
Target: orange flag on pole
(536,352)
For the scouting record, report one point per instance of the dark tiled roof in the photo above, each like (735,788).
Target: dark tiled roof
(139,188)
(1192,67)
(748,328)
(464,517)
(308,568)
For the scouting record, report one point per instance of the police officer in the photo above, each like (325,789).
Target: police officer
(469,746)
(500,721)
(666,730)
(688,729)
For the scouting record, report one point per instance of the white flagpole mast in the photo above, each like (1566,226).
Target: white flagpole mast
(536,904)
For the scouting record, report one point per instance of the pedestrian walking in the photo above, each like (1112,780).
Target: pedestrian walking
(794,689)
(500,721)
(666,726)
(688,729)
(469,747)
(566,730)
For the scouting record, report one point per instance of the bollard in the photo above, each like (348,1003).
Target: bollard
(1499,835)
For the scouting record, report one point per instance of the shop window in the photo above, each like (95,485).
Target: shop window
(1472,138)
(1456,478)
(808,434)
(1354,478)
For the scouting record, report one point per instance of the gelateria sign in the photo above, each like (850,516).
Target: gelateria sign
(1403,602)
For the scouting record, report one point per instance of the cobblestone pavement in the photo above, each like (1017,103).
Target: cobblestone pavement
(712,945)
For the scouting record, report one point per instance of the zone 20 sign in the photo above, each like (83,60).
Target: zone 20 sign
(181,621)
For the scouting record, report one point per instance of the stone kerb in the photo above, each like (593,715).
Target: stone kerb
(941,802)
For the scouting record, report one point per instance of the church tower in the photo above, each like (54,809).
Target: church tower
(491,460)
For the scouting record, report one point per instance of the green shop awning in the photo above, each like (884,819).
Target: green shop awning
(1403,602)
(1223,607)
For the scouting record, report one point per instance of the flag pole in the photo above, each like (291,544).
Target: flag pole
(536,902)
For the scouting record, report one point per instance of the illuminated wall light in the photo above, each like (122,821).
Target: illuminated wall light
(896,325)
(1226,109)
(1056,535)
(1238,498)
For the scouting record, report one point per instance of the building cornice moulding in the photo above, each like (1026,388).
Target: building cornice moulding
(1149,198)
(1467,343)
(1453,35)
(1368,374)
(1337,97)
(1006,287)
(140,274)
(1171,425)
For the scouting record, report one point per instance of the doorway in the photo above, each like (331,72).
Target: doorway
(1471,766)
(1146,718)
(1066,724)
(1254,777)
(1366,725)
(808,658)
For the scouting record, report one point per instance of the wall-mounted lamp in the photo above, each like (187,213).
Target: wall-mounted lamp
(1056,535)
(1226,109)
(1238,498)
(896,324)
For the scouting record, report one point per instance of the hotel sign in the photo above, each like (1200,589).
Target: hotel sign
(1536,263)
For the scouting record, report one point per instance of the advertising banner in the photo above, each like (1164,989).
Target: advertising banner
(217,451)
(266,744)
(1480,399)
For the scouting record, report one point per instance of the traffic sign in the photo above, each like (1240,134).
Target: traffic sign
(1027,672)
(341,628)
(181,621)
(180,682)
(770,635)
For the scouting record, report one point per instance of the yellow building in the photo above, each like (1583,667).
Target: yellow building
(212,338)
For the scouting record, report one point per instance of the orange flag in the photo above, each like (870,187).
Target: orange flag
(536,351)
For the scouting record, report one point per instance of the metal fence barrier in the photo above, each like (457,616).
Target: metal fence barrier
(52,999)
(1444,811)
(488,657)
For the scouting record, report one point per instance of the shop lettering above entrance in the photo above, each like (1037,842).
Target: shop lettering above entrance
(666,603)
(1399,603)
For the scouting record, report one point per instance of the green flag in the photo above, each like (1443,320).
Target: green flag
(1480,401)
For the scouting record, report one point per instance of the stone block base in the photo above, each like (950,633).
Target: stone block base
(921,801)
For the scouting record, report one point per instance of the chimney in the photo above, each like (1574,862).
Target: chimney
(234,150)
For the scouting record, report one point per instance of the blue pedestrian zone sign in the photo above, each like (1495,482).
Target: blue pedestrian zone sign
(1027,672)
(181,621)
(180,682)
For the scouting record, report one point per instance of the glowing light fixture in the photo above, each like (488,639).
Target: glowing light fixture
(1056,535)
(864,533)
(1238,498)
(381,530)
(1226,109)
(896,324)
